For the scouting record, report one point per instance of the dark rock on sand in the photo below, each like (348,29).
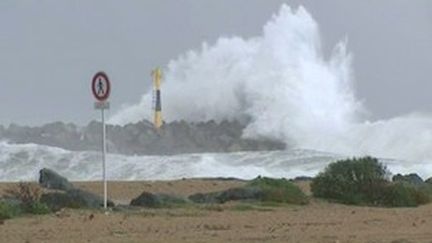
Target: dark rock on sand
(150,200)
(58,200)
(75,198)
(90,200)
(51,180)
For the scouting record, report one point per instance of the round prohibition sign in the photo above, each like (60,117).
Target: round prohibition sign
(101,86)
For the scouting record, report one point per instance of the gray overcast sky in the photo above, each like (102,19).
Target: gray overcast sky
(50,49)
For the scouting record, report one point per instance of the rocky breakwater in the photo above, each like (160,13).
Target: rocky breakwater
(141,138)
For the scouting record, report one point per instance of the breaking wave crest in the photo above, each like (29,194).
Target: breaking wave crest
(282,85)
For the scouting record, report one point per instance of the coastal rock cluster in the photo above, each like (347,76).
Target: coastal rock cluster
(141,138)
(66,196)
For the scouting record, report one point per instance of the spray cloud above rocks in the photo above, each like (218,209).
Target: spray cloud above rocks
(283,87)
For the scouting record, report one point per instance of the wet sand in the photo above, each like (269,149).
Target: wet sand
(319,221)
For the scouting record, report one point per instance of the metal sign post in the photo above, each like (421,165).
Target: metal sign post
(101,89)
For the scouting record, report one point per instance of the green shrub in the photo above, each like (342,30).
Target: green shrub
(401,195)
(363,181)
(9,210)
(351,181)
(426,190)
(279,190)
(38,208)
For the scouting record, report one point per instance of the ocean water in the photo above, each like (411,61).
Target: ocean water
(23,162)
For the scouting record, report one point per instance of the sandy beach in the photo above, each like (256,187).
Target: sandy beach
(319,221)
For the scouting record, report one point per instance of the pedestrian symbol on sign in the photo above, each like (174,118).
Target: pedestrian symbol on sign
(101,86)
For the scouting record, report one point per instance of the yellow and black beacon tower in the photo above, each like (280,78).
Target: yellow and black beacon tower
(157,78)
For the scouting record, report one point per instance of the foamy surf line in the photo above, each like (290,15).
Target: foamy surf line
(23,162)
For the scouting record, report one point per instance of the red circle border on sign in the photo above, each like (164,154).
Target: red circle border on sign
(107,93)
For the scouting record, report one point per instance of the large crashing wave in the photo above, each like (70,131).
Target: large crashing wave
(285,88)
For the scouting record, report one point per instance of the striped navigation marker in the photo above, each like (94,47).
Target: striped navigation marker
(157,77)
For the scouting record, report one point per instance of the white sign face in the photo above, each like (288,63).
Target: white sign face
(101,86)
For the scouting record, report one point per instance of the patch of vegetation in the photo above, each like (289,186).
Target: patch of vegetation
(279,191)
(261,189)
(23,198)
(425,189)
(172,201)
(399,195)
(38,208)
(27,193)
(363,181)
(9,210)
